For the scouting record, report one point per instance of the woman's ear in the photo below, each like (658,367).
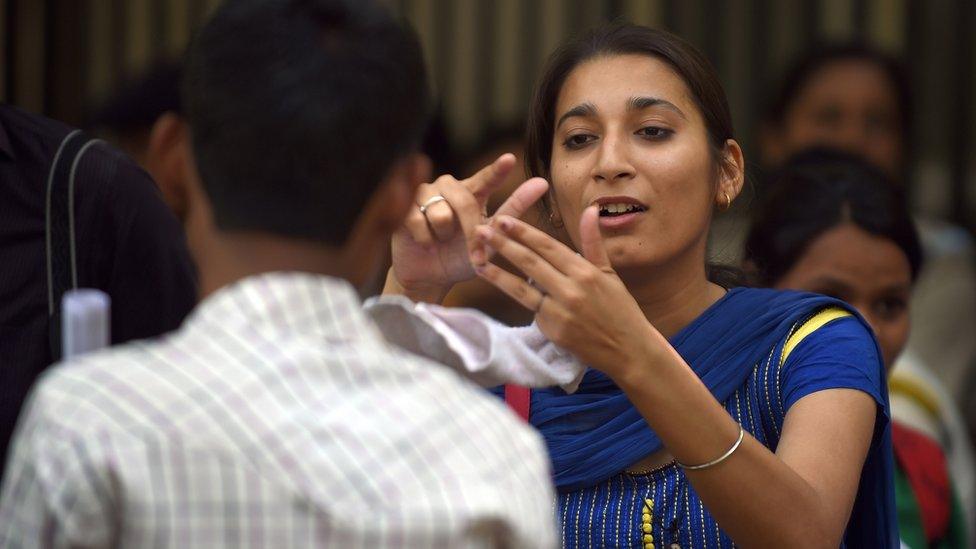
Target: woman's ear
(551,210)
(732,175)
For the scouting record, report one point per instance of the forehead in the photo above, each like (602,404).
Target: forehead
(609,82)
(858,257)
(849,78)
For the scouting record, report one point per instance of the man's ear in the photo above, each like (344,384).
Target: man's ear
(166,160)
(186,183)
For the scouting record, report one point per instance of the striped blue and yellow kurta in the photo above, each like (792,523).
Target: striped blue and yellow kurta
(661,508)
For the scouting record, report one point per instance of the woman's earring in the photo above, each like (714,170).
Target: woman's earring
(728,201)
(556,223)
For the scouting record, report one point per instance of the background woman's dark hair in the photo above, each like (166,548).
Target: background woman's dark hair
(817,190)
(808,65)
(621,39)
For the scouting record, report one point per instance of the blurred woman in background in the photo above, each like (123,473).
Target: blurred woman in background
(835,225)
(856,99)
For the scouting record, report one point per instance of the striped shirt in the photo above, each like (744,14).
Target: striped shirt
(277,416)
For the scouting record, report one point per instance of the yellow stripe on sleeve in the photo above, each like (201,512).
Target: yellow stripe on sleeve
(816,322)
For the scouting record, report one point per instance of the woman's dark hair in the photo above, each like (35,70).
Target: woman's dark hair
(622,39)
(808,65)
(817,190)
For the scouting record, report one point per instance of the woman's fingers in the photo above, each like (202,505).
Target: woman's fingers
(523,197)
(524,259)
(515,287)
(551,250)
(468,215)
(416,224)
(437,211)
(489,178)
(591,240)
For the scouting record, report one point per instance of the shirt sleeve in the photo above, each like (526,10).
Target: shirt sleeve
(52,495)
(840,355)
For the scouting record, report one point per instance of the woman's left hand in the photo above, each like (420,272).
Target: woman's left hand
(579,302)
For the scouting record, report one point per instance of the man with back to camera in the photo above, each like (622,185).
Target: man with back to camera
(278,415)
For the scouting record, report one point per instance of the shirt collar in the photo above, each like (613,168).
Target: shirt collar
(288,303)
(5,146)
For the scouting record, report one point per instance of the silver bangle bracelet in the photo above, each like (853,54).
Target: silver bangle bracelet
(723,457)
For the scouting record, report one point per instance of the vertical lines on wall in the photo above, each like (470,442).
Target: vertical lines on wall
(961,143)
(485,57)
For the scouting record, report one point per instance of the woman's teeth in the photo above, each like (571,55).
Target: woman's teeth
(619,209)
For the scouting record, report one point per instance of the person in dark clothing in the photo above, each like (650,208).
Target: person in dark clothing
(127,117)
(144,119)
(127,244)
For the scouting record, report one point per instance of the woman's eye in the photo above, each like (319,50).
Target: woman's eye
(877,123)
(653,132)
(891,307)
(829,117)
(578,140)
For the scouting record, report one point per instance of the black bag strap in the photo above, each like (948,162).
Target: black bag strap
(59,227)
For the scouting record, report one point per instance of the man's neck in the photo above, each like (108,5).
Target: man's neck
(230,257)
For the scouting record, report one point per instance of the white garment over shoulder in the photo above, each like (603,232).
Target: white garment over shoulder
(478,346)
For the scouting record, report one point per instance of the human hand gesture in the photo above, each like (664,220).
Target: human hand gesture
(579,301)
(436,247)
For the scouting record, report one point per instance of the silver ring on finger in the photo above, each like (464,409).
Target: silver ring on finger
(542,299)
(430,202)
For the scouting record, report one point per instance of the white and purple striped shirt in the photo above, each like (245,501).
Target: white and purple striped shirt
(277,416)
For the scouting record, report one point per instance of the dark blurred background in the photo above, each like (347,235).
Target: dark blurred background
(63,57)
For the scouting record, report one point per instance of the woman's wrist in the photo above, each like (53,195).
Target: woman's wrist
(425,293)
(643,362)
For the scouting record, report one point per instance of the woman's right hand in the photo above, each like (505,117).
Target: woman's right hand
(436,249)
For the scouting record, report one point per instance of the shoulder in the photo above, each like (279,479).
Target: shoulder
(42,136)
(36,140)
(106,173)
(832,350)
(32,129)
(112,391)
(830,333)
(456,408)
(774,298)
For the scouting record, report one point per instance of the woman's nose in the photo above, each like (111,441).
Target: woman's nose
(613,162)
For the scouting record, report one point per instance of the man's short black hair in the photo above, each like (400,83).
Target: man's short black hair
(299,108)
(139,103)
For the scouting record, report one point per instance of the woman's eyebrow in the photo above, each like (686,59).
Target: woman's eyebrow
(830,282)
(641,103)
(583,109)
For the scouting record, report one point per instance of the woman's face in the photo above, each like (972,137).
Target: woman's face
(629,138)
(869,272)
(851,105)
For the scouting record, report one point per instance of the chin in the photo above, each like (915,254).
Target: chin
(627,257)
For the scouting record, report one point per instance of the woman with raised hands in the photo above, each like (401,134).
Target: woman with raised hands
(709,416)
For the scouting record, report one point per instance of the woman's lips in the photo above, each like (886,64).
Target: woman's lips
(620,221)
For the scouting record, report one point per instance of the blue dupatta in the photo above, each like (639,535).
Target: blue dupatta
(596,433)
